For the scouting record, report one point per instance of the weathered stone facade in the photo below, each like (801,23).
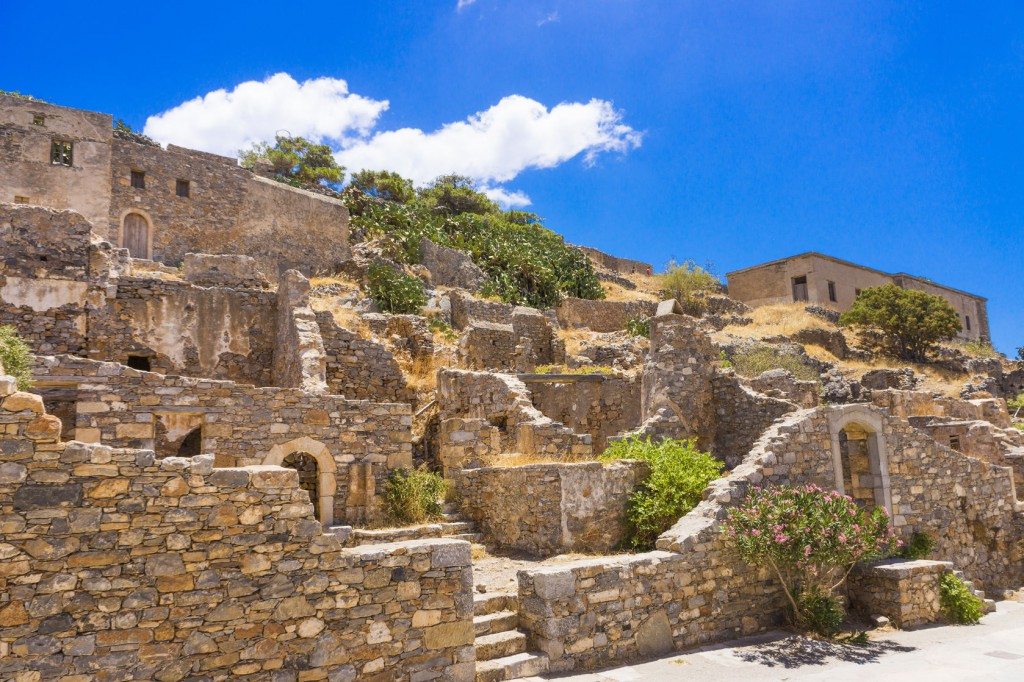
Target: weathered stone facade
(547,509)
(623,266)
(355,443)
(360,369)
(117,566)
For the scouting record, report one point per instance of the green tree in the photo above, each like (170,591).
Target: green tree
(1020,354)
(688,283)
(385,185)
(298,160)
(454,195)
(909,323)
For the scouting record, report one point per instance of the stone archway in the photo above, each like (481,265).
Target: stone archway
(135,233)
(860,456)
(309,476)
(326,472)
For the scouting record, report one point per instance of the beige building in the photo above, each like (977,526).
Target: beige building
(834,283)
(161,203)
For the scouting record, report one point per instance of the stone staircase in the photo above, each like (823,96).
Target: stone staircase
(989,604)
(501,648)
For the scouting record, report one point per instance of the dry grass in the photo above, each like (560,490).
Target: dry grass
(574,339)
(519,459)
(344,316)
(783,319)
(617,292)
(343,281)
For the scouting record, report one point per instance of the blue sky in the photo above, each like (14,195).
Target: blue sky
(726,132)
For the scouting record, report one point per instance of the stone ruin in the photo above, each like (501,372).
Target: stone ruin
(193,488)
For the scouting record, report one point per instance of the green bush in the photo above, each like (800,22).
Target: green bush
(395,292)
(823,613)
(810,538)
(909,323)
(442,328)
(958,603)
(1016,403)
(413,495)
(679,474)
(751,363)
(582,369)
(919,546)
(639,326)
(526,263)
(688,283)
(15,357)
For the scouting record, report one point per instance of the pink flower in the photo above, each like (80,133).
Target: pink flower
(756,533)
(807,550)
(842,537)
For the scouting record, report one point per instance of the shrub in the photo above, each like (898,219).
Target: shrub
(908,323)
(15,357)
(754,361)
(979,349)
(443,329)
(1020,354)
(395,292)
(526,263)
(919,546)
(823,613)
(958,603)
(810,539)
(639,326)
(687,282)
(1016,403)
(679,474)
(297,161)
(582,369)
(413,495)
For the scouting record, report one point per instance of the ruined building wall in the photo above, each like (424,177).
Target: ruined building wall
(299,356)
(741,416)
(358,368)
(600,405)
(601,316)
(122,567)
(356,442)
(28,128)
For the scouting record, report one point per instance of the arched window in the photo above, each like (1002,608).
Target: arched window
(309,476)
(135,235)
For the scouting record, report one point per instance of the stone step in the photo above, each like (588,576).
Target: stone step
(343,533)
(366,536)
(499,645)
(511,667)
(499,621)
(475,538)
(484,604)
(456,527)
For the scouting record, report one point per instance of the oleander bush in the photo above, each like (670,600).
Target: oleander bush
(679,474)
(810,539)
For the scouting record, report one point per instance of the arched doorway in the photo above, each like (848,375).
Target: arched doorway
(135,235)
(309,476)
(324,473)
(860,456)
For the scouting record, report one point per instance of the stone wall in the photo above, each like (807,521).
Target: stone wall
(355,443)
(116,566)
(598,404)
(624,266)
(210,270)
(979,439)
(907,404)
(467,444)
(300,359)
(227,210)
(184,329)
(360,369)
(779,383)
(548,509)
(466,310)
(601,316)
(905,592)
(741,416)
(450,267)
(694,589)
(503,401)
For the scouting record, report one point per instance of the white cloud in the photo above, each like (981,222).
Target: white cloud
(463,4)
(224,121)
(496,145)
(549,19)
(506,198)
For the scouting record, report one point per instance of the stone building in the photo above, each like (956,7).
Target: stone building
(835,283)
(161,203)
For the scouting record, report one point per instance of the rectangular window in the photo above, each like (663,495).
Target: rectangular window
(181,188)
(38,119)
(138,179)
(954,443)
(800,288)
(61,152)
(832,291)
(18,199)
(968,318)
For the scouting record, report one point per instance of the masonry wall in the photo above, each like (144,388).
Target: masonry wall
(906,592)
(600,405)
(547,509)
(601,316)
(228,210)
(741,416)
(615,264)
(243,425)
(25,166)
(360,369)
(118,567)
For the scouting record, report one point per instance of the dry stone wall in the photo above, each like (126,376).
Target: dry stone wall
(601,316)
(356,443)
(547,509)
(600,405)
(741,416)
(119,567)
(360,369)
(905,592)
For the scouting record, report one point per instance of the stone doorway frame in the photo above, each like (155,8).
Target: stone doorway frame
(878,450)
(327,481)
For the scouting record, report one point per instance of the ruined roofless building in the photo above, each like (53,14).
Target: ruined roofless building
(834,283)
(161,203)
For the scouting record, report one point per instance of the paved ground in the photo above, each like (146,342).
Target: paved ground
(992,650)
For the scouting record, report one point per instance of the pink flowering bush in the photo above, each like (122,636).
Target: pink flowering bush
(810,538)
